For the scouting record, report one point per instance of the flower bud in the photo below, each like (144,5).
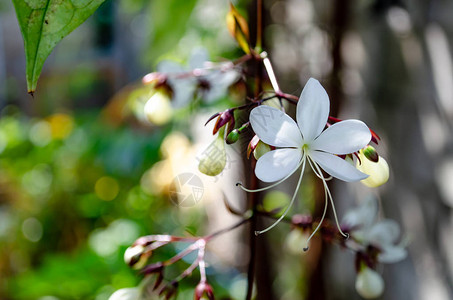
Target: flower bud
(261,149)
(203,291)
(378,171)
(134,257)
(213,159)
(232,137)
(296,241)
(371,154)
(238,28)
(158,108)
(226,117)
(369,284)
(126,294)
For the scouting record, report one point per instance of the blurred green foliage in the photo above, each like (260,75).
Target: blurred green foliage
(62,231)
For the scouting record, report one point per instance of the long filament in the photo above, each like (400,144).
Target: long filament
(272,185)
(326,188)
(290,204)
(325,208)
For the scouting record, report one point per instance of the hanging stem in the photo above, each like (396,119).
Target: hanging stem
(259,25)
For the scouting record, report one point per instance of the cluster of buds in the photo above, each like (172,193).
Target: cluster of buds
(140,252)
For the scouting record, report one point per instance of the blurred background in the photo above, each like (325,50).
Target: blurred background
(82,175)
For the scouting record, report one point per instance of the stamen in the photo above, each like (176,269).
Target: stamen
(258,232)
(326,188)
(325,207)
(239,184)
(319,175)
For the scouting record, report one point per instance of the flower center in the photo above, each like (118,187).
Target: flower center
(305,147)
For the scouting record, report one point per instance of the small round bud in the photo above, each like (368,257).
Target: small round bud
(296,241)
(125,294)
(261,149)
(203,291)
(158,109)
(133,256)
(232,137)
(378,171)
(369,284)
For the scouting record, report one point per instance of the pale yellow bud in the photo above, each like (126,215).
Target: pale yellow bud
(261,149)
(296,241)
(134,257)
(213,159)
(378,171)
(158,109)
(369,284)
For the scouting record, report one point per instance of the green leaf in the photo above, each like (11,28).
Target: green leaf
(43,24)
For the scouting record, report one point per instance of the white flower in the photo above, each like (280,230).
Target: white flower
(369,284)
(307,140)
(366,230)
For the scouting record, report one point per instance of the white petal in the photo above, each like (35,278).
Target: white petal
(274,127)
(312,110)
(277,164)
(343,137)
(169,67)
(363,215)
(392,254)
(337,167)
(198,58)
(384,232)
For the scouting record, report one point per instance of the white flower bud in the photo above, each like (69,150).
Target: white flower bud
(133,256)
(158,109)
(296,241)
(378,171)
(126,294)
(213,159)
(261,149)
(369,284)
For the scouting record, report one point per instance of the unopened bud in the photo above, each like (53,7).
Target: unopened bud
(296,241)
(226,117)
(371,154)
(134,257)
(369,284)
(213,159)
(203,291)
(158,108)
(232,137)
(126,294)
(261,149)
(378,171)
